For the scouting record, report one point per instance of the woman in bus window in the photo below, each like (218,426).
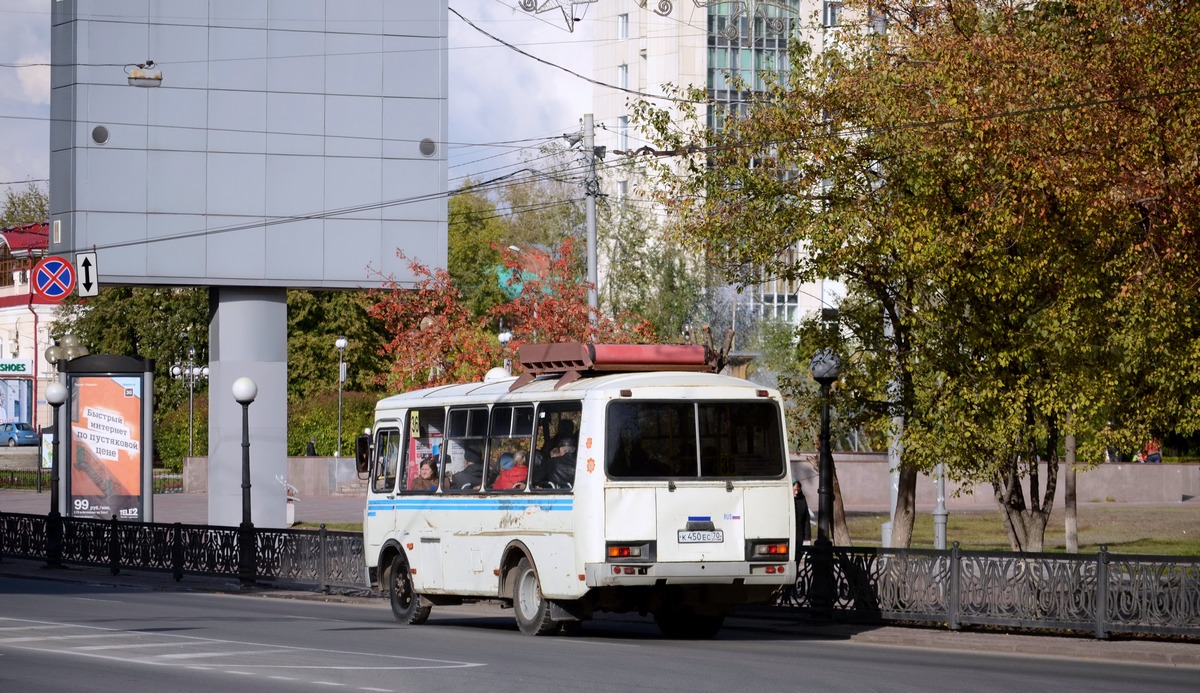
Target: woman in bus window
(426,479)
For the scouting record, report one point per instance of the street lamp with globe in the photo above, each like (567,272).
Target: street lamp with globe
(192,373)
(244,391)
(56,394)
(341,344)
(824,367)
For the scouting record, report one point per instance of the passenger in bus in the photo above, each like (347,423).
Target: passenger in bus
(561,472)
(514,470)
(470,476)
(426,479)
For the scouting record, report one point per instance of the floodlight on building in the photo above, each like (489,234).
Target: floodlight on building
(144,74)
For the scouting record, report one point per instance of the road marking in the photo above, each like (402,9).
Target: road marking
(93,648)
(197,655)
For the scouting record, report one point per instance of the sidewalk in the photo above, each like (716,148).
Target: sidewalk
(192,508)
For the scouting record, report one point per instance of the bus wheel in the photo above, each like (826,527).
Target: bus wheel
(682,623)
(406,604)
(530,608)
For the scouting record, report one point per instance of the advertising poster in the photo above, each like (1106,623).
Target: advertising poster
(105,438)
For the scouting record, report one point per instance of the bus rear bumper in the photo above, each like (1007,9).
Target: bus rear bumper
(724,573)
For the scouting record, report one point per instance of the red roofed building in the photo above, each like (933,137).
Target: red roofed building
(25,320)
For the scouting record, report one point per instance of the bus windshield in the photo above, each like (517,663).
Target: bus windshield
(740,439)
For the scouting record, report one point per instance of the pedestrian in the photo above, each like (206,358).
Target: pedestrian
(1153,452)
(803,524)
(311,449)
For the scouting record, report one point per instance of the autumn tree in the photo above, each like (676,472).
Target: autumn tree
(436,339)
(1007,190)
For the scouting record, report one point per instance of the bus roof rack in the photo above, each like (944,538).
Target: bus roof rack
(572,360)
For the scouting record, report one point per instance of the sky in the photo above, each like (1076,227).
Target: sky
(496,95)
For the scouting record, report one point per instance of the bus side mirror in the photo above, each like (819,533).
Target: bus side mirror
(362,453)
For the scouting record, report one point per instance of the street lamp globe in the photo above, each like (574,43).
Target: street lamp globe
(54,354)
(56,393)
(244,390)
(824,366)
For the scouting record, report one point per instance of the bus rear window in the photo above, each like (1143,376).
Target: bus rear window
(739,439)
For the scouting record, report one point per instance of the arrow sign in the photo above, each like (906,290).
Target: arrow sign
(53,278)
(89,277)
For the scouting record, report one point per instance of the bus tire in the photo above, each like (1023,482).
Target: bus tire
(406,603)
(529,606)
(682,623)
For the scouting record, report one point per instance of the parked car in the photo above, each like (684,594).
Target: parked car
(14,434)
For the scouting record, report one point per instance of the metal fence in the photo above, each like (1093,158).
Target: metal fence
(163,481)
(1102,594)
(318,558)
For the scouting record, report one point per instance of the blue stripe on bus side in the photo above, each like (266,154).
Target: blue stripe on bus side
(546,505)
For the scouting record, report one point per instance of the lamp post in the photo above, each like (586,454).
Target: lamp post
(504,338)
(68,347)
(56,394)
(824,368)
(244,391)
(341,347)
(192,372)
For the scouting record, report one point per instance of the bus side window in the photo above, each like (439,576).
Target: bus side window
(387,460)
(424,445)
(463,455)
(508,448)
(557,446)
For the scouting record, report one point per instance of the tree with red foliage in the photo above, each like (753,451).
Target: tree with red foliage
(552,302)
(436,340)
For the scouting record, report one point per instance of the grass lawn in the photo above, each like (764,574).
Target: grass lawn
(1165,530)
(1169,530)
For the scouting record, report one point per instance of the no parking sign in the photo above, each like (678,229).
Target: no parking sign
(53,278)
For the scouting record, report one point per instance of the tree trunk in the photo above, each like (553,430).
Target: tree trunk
(1072,526)
(841,532)
(906,508)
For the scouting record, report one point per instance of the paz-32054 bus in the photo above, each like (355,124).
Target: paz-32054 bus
(605,478)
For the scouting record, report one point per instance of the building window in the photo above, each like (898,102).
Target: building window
(623,76)
(832,15)
(622,26)
(623,133)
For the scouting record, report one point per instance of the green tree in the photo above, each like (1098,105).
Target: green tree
(1009,188)
(315,320)
(646,274)
(167,324)
(29,206)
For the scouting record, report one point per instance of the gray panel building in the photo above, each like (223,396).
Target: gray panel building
(289,143)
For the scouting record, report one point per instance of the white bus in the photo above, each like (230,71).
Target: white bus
(606,478)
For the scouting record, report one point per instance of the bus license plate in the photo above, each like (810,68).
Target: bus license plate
(708,536)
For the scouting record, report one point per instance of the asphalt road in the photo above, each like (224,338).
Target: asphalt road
(61,636)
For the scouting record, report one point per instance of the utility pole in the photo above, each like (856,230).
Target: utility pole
(591,188)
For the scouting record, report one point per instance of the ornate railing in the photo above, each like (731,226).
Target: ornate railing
(1102,594)
(306,557)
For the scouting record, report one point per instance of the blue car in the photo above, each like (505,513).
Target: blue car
(14,434)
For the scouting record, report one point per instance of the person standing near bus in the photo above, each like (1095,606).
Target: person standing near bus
(803,522)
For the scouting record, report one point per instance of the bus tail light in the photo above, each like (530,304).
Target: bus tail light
(623,552)
(768,550)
